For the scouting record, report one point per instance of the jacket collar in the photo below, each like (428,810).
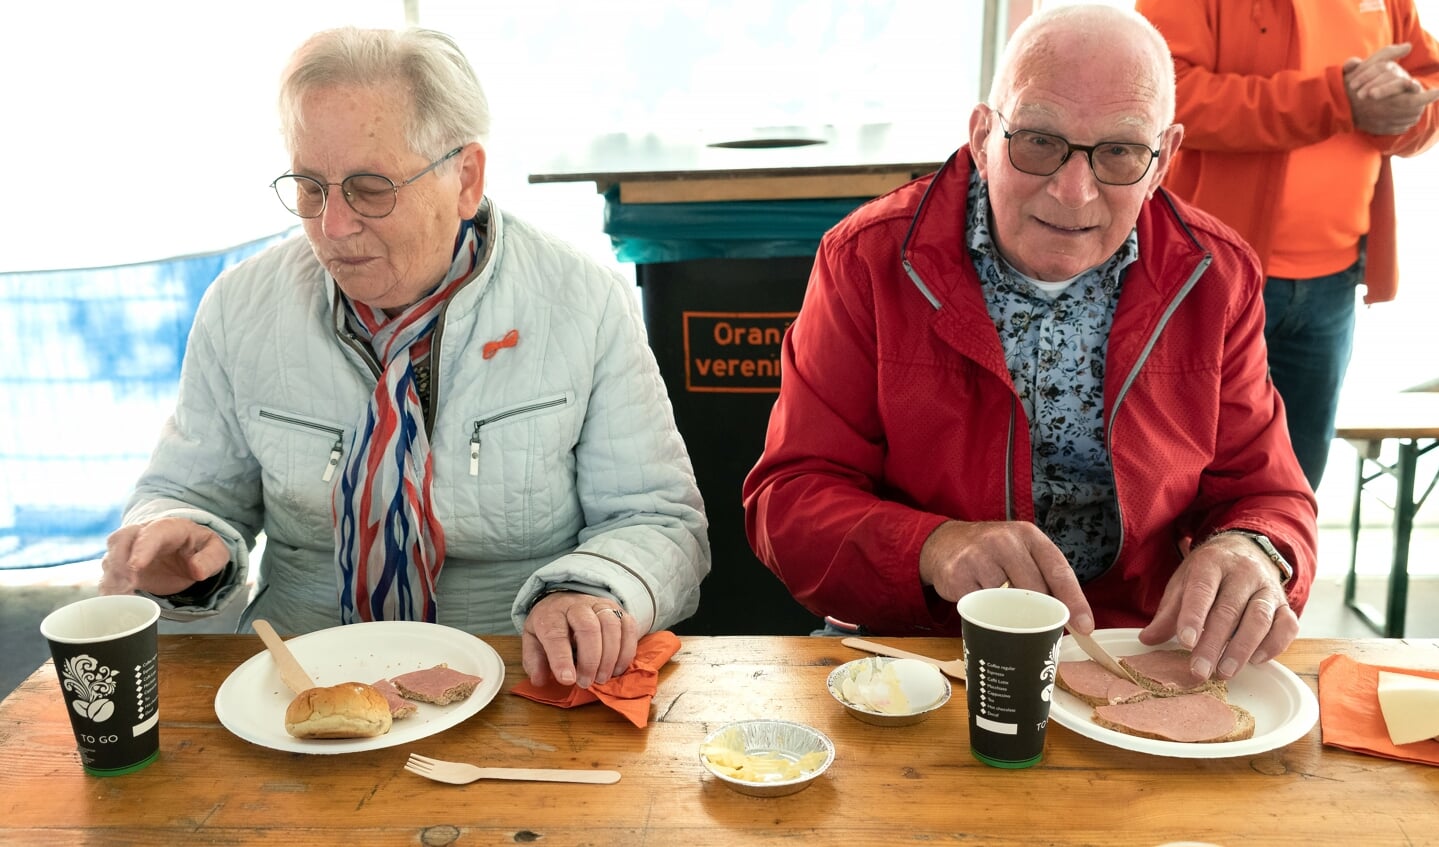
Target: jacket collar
(936,260)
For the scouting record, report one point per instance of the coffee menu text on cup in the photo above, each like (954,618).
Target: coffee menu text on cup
(997,711)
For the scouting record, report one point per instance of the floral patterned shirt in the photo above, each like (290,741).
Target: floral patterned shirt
(1055,349)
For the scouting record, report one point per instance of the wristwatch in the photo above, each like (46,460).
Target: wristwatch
(1286,570)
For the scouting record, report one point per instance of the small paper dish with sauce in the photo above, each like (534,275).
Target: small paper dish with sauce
(889,692)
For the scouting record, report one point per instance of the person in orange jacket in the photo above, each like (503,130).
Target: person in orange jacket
(1291,113)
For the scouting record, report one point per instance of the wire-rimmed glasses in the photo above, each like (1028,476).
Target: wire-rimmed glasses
(370,195)
(1043,153)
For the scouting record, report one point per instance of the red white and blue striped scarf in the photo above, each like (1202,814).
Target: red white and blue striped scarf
(389,545)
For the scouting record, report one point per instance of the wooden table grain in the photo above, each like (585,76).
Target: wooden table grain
(888,785)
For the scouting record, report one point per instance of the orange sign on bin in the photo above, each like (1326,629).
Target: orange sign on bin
(734,352)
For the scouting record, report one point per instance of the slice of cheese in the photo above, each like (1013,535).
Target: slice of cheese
(1410,705)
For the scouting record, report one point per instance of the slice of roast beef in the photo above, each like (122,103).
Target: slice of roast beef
(1090,682)
(1167,672)
(440,685)
(399,706)
(1189,718)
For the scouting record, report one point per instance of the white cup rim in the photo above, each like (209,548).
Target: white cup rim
(968,602)
(50,627)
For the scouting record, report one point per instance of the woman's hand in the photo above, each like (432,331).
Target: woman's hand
(577,639)
(162,557)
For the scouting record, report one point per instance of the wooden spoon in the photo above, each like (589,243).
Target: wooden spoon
(369,714)
(291,671)
(953,668)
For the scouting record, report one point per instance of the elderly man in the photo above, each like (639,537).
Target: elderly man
(1035,366)
(434,410)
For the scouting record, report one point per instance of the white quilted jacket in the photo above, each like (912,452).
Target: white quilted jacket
(557,460)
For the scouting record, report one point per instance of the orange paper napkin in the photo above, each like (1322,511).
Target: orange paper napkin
(1349,714)
(629,693)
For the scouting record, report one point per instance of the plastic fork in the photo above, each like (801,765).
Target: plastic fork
(460,773)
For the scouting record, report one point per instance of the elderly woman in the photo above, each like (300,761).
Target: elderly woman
(434,411)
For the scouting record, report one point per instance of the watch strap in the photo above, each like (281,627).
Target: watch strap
(1271,552)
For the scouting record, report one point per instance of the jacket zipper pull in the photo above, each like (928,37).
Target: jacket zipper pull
(475,451)
(335,452)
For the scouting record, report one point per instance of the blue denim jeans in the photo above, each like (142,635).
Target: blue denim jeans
(1309,329)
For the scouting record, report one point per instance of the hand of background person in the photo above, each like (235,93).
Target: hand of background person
(577,639)
(1380,75)
(960,557)
(1393,115)
(1226,604)
(162,557)
(1383,98)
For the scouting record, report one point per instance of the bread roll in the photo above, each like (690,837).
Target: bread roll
(347,710)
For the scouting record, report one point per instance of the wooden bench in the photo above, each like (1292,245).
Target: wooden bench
(1411,420)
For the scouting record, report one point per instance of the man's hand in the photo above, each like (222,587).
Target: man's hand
(1383,98)
(1393,115)
(1225,604)
(960,557)
(1380,75)
(575,638)
(162,557)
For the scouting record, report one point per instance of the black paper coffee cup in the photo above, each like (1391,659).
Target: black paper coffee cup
(107,659)
(1011,655)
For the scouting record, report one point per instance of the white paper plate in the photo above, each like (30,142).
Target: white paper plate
(251,702)
(1284,708)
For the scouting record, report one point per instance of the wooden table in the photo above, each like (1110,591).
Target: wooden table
(888,785)
(1411,420)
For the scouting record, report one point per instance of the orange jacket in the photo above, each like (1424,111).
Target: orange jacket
(1244,107)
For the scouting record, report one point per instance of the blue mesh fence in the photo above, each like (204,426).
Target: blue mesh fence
(89,366)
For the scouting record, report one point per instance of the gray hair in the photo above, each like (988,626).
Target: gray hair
(448,106)
(1029,42)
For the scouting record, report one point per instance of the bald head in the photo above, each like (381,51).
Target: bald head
(1061,39)
(1072,80)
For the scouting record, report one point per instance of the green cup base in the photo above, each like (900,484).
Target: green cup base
(124,770)
(1005,763)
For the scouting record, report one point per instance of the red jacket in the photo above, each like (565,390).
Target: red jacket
(1228,74)
(896,412)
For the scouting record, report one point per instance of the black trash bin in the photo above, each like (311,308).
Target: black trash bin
(720,282)
(723,233)
(714,325)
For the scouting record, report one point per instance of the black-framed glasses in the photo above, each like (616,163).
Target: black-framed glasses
(370,195)
(1043,153)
